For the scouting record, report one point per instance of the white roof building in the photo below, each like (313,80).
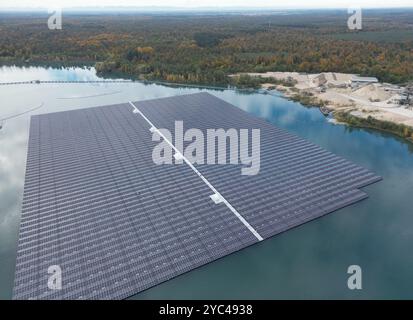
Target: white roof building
(364,79)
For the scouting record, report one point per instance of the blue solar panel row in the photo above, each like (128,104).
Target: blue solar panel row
(298,181)
(116,223)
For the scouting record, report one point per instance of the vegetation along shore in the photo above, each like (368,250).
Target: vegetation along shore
(313,58)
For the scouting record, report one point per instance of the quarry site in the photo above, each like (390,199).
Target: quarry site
(359,96)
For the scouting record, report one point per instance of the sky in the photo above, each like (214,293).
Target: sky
(205,3)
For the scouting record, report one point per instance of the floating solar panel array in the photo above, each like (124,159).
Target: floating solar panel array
(98,207)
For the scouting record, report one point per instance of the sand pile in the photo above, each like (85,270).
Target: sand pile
(372,92)
(319,80)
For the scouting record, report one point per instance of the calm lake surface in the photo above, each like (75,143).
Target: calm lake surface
(309,261)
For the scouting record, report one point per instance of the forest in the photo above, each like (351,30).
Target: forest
(206,48)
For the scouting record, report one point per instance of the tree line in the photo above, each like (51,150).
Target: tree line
(205,49)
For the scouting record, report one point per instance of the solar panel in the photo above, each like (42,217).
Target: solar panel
(96,205)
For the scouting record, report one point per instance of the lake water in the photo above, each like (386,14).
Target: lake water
(309,261)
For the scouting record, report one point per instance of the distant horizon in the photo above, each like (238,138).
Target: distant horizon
(199,5)
(189,9)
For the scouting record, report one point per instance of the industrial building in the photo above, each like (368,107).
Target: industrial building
(357,81)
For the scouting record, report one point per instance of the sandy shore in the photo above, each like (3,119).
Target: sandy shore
(336,92)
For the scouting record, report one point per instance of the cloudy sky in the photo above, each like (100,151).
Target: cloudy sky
(205,3)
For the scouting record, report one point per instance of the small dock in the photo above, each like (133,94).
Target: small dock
(325,111)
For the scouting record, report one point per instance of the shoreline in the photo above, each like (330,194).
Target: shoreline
(350,100)
(345,117)
(352,111)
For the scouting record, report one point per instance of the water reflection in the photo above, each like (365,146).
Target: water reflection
(16,74)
